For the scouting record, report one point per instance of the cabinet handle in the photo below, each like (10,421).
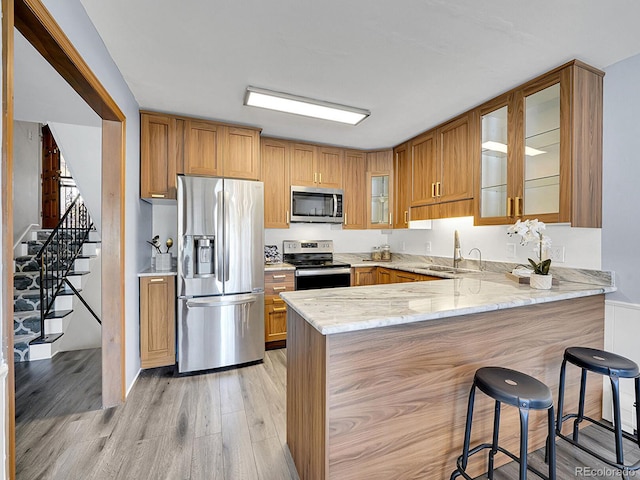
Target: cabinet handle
(433,190)
(278,276)
(438,189)
(509,206)
(518,209)
(390,218)
(155,280)
(320,174)
(278,300)
(157,195)
(279,289)
(287,217)
(279,309)
(345,218)
(406,216)
(315,177)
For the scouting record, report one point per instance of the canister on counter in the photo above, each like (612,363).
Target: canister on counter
(386,252)
(376,254)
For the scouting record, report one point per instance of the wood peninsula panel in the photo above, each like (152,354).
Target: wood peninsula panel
(306,403)
(396,397)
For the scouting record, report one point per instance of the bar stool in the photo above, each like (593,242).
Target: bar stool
(615,367)
(521,391)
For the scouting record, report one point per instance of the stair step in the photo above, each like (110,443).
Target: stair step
(59,313)
(21,348)
(26,323)
(46,339)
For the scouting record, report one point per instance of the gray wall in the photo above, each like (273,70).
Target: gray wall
(73,19)
(621,190)
(26,176)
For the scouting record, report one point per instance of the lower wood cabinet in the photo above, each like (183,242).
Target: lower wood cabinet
(381,275)
(157,321)
(275,310)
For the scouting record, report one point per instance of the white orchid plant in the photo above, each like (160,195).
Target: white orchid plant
(531,231)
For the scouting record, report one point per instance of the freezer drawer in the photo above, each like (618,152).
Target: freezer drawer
(220,331)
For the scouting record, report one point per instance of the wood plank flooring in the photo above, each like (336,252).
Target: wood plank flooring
(227,425)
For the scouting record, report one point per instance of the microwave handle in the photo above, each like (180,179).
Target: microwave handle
(335,205)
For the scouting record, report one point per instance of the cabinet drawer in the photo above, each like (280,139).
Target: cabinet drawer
(278,282)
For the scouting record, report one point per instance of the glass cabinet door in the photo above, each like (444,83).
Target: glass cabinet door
(493,186)
(542,152)
(379,200)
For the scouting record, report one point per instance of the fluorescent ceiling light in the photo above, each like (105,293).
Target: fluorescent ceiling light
(502,148)
(284,102)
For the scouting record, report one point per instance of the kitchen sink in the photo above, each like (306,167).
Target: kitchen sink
(442,268)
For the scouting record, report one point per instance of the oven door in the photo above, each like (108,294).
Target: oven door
(309,278)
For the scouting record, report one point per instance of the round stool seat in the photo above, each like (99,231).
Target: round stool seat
(599,361)
(513,388)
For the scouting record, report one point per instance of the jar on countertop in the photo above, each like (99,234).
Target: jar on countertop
(386,253)
(376,254)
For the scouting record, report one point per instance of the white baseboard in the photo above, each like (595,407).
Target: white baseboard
(135,379)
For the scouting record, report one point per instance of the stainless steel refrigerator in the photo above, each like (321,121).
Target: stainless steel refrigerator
(220,272)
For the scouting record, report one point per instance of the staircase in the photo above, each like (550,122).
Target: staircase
(30,342)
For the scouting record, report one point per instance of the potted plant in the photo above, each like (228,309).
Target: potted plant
(531,231)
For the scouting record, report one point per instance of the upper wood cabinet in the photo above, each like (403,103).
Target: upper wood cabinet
(242,153)
(171,144)
(203,148)
(442,164)
(402,184)
(541,151)
(275,175)
(160,145)
(354,178)
(316,166)
(379,196)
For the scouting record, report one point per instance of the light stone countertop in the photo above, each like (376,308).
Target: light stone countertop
(338,310)
(152,272)
(272,267)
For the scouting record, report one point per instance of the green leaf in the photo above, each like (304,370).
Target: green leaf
(544,266)
(534,265)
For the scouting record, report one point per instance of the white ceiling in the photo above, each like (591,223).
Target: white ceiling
(413,63)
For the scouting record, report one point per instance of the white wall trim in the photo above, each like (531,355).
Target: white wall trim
(618,303)
(27,231)
(133,382)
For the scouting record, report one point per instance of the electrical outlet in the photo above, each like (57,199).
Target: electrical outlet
(556,253)
(511,250)
(427,247)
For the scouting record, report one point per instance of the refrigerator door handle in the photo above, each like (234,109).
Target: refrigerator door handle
(226,229)
(223,301)
(220,265)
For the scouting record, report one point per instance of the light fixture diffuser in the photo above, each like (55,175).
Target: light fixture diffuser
(502,148)
(284,102)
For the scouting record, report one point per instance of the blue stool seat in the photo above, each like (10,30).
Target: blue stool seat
(518,390)
(615,367)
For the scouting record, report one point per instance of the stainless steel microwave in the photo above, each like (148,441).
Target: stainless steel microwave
(316,205)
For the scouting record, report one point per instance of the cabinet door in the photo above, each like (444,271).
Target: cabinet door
(379,196)
(157,321)
(424,177)
(404,277)
(275,320)
(494,202)
(364,276)
(158,155)
(402,196)
(303,165)
(203,148)
(384,276)
(242,153)
(277,188)
(354,183)
(455,161)
(329,167)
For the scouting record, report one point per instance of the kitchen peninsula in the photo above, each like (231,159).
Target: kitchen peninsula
(378,376)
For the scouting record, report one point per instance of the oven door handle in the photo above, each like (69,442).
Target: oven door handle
(315,272)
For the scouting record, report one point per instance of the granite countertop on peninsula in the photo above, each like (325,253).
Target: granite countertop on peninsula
(152,272)
(347,309)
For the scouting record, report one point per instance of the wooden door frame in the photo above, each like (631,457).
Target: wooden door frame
(40,29)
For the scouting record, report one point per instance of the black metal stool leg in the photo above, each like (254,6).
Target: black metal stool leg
(467,430)
(637,405)
(551,446)
(579,418)
(494,445)
(524,441)
(617,421)
(563,370)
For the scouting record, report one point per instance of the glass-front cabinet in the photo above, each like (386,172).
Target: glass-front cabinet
(379,198)
(541,151)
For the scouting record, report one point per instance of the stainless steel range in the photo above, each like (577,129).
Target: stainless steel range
(314,264)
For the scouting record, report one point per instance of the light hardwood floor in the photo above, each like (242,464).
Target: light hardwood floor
(218,426)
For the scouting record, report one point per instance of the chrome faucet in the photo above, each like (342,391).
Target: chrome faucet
(457,256)
(479,257)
